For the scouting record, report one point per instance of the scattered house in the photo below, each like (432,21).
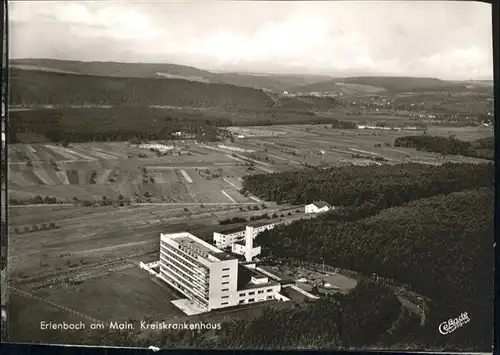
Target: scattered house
(373,127)
(185,135)
(318,207)
(235,149)
(162,148)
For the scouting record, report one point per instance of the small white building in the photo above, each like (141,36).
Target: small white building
(318,207)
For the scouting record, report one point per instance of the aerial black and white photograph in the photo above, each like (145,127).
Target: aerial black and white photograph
(251,174)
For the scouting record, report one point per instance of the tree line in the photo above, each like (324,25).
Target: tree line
(37,200)
(113,124)
(482,148)
(124,123)
(368,189)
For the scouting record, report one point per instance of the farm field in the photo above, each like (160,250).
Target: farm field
(99,170)
(126,295)
(129,295)
(86,236)
(315,145)
(93,170)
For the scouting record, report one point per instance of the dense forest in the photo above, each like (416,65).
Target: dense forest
(440,246)
(482,148)
(368,189)
(112,124)
(309,102)
(30,88)
(438,241)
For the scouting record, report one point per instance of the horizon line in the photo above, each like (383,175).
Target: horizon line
(251,72)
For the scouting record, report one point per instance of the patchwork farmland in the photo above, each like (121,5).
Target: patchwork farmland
(290,147)
(206,173)
(91,171)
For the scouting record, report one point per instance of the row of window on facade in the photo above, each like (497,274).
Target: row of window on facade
(253,292)
(189,275)
(188,255)
(182,288)
(201,271)
(250,300)
(200,287)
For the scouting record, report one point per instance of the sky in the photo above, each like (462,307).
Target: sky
(442,39)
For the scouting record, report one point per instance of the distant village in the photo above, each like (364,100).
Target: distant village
(414,111)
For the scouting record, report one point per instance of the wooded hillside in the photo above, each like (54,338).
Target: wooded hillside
(440,246)
(30,87)
(112,124)
(369,188)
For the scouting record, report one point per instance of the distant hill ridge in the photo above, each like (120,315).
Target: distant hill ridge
(274,82)
(113,69)
(391,84)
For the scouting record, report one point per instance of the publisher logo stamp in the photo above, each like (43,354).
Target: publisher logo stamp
(453,324)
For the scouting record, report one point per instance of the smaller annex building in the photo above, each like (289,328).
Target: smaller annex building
(241,241)
(318,207)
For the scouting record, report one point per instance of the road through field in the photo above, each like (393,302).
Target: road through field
(170,167)
(285,159)
(261,165)
(186,176)
(227,195)
(109,248)
(59,161)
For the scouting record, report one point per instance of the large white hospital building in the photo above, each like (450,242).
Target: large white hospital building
(210,277)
